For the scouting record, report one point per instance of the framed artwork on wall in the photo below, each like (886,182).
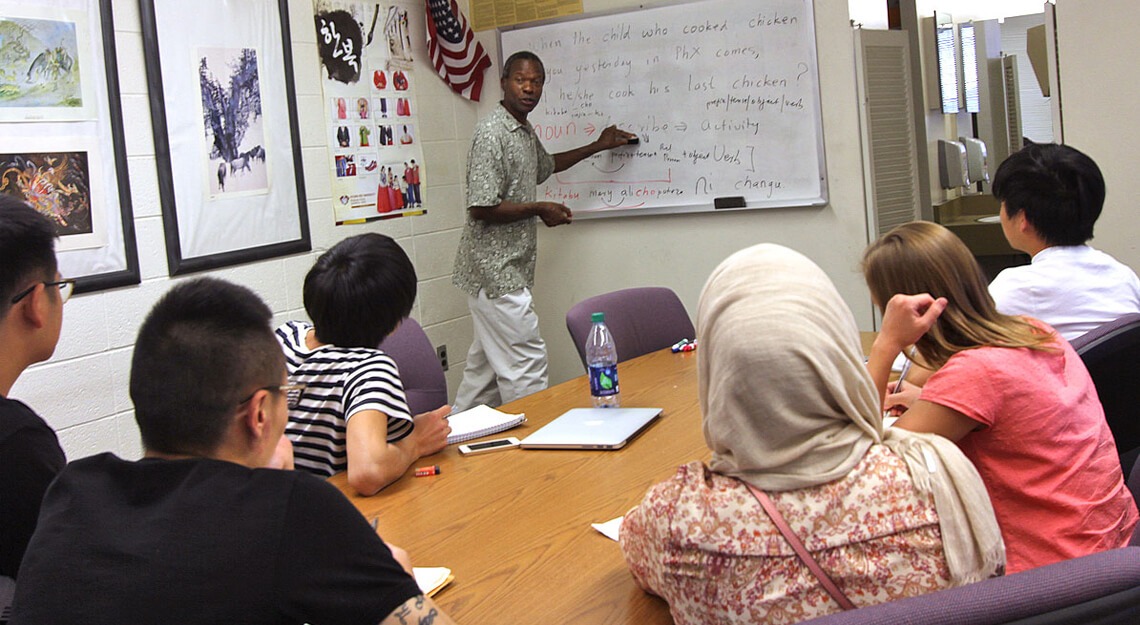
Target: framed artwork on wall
(224,112)
(61,147)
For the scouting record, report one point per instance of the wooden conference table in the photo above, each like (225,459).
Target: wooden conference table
(514,526)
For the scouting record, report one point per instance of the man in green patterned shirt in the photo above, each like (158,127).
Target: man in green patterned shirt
(495,261)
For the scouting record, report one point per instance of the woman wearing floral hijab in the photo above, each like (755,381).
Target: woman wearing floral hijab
(790,413)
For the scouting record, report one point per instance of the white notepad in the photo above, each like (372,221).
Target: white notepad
(480,421)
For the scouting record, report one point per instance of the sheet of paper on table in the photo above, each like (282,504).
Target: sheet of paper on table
(610,528)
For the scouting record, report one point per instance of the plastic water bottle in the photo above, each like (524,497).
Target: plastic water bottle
(601,360)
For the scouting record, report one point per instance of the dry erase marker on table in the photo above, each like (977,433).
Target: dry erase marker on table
(684,345)
(426,471)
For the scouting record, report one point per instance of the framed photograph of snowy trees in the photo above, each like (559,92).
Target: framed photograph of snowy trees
(224,112)
(62,149)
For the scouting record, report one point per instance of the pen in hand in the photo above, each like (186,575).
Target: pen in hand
(895,411)
(903,372)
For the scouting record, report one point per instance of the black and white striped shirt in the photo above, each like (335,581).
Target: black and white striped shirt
(339,382)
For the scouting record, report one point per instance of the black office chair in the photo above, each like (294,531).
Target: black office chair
(1111,353)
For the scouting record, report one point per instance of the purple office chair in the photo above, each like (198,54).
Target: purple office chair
(1111,352)
(642,320)
(1100,589)
(420,372)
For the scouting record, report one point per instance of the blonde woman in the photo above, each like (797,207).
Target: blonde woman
(791,416)
(1011,392)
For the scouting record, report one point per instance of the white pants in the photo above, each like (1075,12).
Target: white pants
(507,359)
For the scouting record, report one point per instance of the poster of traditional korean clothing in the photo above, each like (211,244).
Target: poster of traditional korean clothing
(375,156)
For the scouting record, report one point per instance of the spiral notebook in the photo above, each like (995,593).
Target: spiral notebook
(480,421)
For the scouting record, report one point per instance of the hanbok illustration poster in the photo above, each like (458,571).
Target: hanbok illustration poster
(375,156)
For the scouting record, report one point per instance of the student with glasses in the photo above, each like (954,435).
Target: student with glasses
(197,531)
(31,312)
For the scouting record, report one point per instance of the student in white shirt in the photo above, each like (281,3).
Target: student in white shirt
(1051,196)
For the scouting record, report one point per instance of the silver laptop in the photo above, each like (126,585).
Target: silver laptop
(592,428)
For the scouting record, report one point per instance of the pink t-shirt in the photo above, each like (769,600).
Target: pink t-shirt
(1045,452)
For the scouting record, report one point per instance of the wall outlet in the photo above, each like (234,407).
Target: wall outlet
(441,351)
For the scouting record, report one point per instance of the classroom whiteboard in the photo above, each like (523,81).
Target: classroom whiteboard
(724,95)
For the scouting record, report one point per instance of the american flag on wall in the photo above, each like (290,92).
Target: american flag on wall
(459,63)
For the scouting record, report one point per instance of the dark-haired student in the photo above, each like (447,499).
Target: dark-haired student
(1051,196)
(196,532)
(353,415)
(31,314)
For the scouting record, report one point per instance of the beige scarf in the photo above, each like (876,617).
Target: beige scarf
(788,403)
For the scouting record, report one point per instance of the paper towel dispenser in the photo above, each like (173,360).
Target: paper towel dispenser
(952,166)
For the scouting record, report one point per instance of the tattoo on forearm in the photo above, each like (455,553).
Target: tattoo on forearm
(419,602)
(401,613)
(429,618)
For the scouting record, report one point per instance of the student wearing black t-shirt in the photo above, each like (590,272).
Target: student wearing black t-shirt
(31,313)
(30,458)
(196,532)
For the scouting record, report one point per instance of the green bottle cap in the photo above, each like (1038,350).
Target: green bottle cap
(598,317)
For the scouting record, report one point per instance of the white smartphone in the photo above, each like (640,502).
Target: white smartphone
(483,447)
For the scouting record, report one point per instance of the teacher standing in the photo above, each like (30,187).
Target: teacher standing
(495,261)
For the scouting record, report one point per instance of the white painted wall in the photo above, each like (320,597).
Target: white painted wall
(870,14)
(1100,89)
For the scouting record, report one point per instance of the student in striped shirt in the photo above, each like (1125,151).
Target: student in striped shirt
(352,414)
